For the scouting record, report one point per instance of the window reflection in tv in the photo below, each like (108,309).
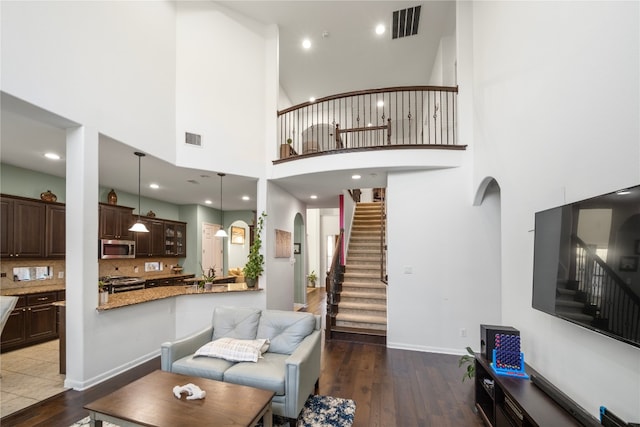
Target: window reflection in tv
(586,268)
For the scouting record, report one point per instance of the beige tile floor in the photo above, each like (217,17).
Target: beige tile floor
(29,375)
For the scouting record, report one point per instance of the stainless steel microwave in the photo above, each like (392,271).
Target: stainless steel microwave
(114,249)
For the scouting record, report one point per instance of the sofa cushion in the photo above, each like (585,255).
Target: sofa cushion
(204,367)
(234,350)
(235,322)
(268,373)
(285,329)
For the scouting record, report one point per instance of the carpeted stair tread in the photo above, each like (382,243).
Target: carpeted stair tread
(377,285)
(363,306)
(363,295)
(345,317)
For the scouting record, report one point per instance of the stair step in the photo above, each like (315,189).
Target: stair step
(361,321)
(361,306)
(371,336)
(355,290)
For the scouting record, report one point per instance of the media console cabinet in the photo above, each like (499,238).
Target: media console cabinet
(514,401)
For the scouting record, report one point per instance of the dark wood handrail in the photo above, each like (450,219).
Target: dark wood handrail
(370,91)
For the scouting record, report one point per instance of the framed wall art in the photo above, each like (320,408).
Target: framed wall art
(237,235)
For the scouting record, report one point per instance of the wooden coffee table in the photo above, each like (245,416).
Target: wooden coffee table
(149,401)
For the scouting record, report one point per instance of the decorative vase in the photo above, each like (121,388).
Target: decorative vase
(208,286)
(112,197)
(48,196)
(103,298)
(252,282)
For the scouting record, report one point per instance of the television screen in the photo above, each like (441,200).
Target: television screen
(586,257)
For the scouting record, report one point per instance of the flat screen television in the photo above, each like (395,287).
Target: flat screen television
(586,264)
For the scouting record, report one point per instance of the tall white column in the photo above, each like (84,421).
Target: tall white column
(81,249)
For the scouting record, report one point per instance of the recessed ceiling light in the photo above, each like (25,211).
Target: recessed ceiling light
(208,202)
(312,99)
(356,176)
(52,156)
(306,43)
(380,29)
(380,103)
(313,196)
(245,198)
(154,186)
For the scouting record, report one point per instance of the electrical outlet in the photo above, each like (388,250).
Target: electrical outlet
(3,274)
(463,332)
(60,274)
(408,269)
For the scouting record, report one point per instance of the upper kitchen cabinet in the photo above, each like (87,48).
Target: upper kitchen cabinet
(175,238)
(55,226)
(22,224)
(115,222)
(151,243)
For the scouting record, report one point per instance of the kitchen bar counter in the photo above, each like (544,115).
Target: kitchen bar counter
(27,290)
(125,299)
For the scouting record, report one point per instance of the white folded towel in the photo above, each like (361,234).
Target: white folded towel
(192,390)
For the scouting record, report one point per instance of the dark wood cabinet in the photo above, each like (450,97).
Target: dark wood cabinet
(168,281)
(56,229)
(115,222)
(175,238)
(151,243)
(22,227)
(15,330)
(504,401)
(33,320)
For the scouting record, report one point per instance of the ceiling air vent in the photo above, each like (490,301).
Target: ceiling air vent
(193,139)
(405,22)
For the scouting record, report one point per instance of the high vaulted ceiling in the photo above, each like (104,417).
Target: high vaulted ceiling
(346,55)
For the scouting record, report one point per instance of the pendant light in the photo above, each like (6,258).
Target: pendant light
(139,227)
(221,232)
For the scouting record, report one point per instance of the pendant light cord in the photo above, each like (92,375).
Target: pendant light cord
(140,156)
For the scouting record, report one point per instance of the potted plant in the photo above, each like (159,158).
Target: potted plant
(208,277)
(312,279)
(469,360)
(103,294)
(255,260)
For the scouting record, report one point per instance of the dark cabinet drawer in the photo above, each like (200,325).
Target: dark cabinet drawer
(43,298)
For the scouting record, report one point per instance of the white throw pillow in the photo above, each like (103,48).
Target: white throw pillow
(234,350)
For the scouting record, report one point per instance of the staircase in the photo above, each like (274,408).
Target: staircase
(362,306)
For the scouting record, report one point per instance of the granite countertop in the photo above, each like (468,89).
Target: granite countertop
(32,290)
(125,299)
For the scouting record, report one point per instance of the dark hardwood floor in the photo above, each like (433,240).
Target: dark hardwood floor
(390,387)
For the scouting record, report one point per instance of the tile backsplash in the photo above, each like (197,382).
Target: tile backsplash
(111,267)
(57,270)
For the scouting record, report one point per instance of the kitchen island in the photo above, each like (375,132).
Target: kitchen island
(126,299)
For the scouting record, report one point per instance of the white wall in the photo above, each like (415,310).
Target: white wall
(555,118)
(443,261)
(92,63)
(221,93)
(282,208)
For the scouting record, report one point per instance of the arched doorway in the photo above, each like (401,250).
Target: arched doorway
(300,264)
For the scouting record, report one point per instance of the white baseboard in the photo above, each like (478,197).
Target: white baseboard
(83,385)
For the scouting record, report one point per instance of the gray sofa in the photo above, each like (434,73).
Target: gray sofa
(290,367)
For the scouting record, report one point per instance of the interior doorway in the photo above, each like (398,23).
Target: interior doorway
(300,263)
(212,249)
